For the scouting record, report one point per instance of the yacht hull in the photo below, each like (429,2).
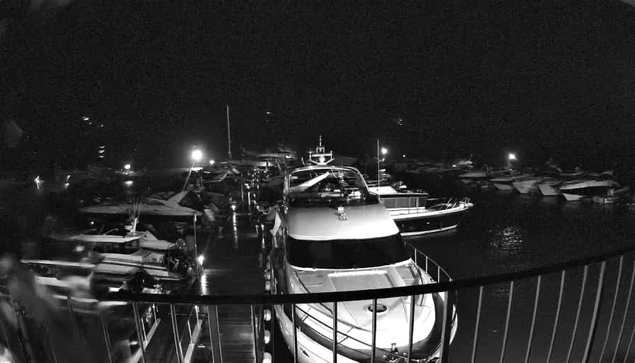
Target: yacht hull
(549,190)
(314,347)
(426,222)
(572,197)
(503,186)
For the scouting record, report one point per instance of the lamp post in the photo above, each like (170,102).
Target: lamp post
(510,157)
(196,155)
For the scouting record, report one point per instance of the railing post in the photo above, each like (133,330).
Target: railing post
(411,326)
(104,328)
(628,302)
(374,332)
(533,319)
(509,311)
(175,332)
(596,308)
(72,315)
(617,289)
(577,315)
(214,334)
(334,332)
(140,338)
(478,322)
(295,335)
(448,317)
(563,277)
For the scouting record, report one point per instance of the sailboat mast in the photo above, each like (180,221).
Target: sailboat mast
(378,164)
(229,138)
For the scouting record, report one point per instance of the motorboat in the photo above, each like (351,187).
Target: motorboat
(332,235)
(75,283)
(417,214)
(528,185)
(145,239)
(550,187)
(506,182)
(166,204)
(119,258)
(586,188)
(613,195)
(474,176)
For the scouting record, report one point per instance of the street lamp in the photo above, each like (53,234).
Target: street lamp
(384,151)
(211,162)
(197,155)
(127,167)
(511,156)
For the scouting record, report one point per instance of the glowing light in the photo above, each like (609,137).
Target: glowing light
(127,166)
(267,336)
(66,185)
(267,315)
(268,285)
(384,151)
(511,156)
(233,207)
(267,358)
(128,183)
(403,156)
(38,181)
(211,162)
(79,248)
(85,118)
(454,165)
(201,259)
(197,155)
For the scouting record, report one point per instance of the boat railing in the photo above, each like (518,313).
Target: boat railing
(575,311)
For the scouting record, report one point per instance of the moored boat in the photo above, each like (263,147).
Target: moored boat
(582,189)
(417,214)
(334,235)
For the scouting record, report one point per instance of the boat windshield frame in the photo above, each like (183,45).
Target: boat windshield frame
(325,185)
(344,254)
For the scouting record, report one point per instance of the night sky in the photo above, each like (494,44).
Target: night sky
(541,78)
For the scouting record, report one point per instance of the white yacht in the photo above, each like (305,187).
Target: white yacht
(579,189)
(550,187)
(506,182)
(333,235)
(166,204)
(529,184)
(416,213)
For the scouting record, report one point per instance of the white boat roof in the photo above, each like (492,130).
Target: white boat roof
(383,190)
(323,223)
(325,168)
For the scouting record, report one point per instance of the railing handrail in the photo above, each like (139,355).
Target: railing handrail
(358,295)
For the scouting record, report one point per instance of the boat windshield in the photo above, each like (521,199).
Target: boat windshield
(323,185)
(346,254)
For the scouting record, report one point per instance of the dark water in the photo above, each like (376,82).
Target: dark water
(503,232)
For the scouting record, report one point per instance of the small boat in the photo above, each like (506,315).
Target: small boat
(528,185)
(507,182)
(613,195)
(166,204)
(550,187)
(75,283)
(417,214)
(586,188)
(145,239)
(334,235)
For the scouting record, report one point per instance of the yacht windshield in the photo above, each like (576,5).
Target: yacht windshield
(336,185)
(346,254)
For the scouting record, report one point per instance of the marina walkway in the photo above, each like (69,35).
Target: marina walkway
(232,265)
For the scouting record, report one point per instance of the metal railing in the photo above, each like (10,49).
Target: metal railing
(575,311)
